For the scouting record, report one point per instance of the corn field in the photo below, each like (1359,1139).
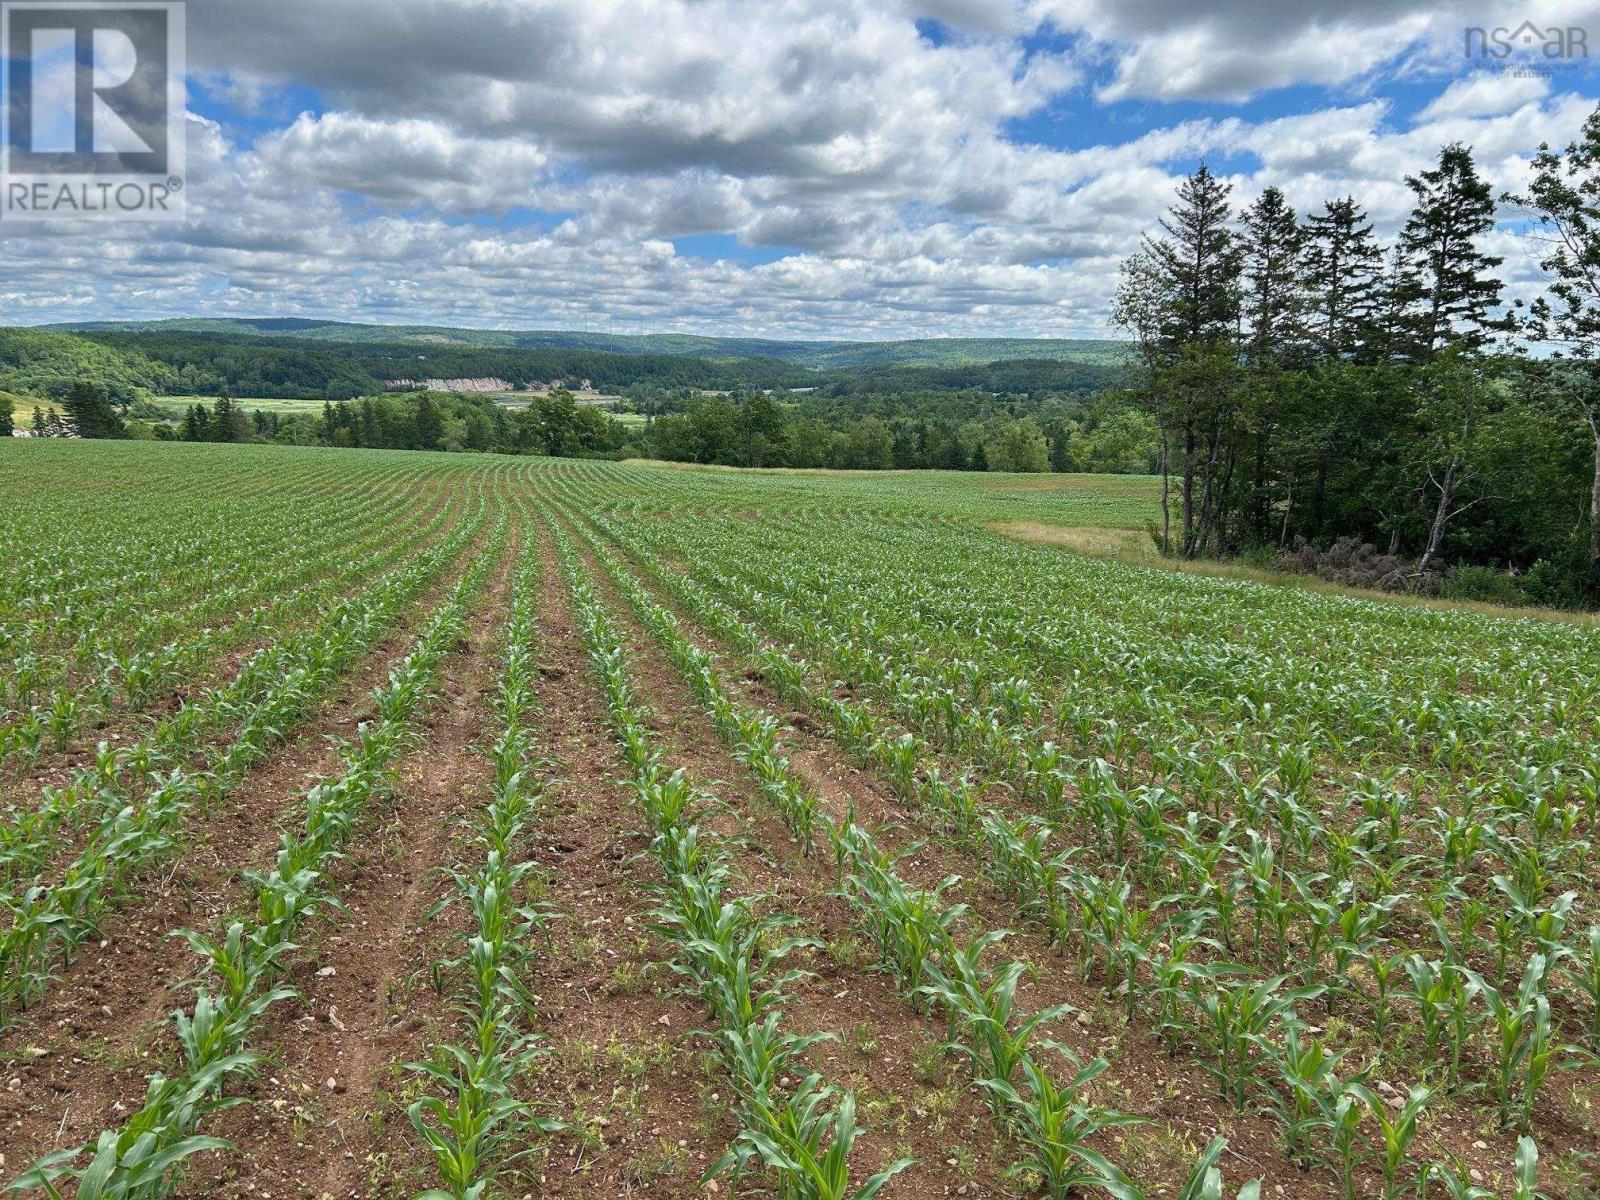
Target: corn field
(399,825)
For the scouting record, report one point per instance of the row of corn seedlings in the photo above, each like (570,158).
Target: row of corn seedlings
(30,833)
(918,933)
(1527,704)
(273,693)
(1344,908)
(1248,1028)
(243,966)
(730,955)
(473,1120)
(136,661)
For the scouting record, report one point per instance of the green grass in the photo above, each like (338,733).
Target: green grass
(178,405)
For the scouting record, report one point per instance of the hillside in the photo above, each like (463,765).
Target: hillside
(924,352)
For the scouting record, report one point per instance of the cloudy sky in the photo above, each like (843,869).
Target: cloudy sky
(804,168)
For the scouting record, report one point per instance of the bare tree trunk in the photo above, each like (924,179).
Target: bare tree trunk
(1441,517)
(1592,412)
(1166,490)
(1207,498)
(1188,487)
(1288,507)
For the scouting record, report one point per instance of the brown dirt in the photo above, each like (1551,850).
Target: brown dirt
(20,783)
(624,1067)
(104,1023)
(1177,1099)
(912,1102)
(326,1121)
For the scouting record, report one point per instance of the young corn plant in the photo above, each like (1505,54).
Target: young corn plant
(1205,1178)
(1397,1130)
(1238,1016)
(1056,1128)
(1524,1043)
(805,1144)
(980,1003)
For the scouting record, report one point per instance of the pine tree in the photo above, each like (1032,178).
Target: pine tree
(429,424)
(1344,274)
(1274,309)
(196,424)
(1189,295)
(7,423)
(225,419)
(90,413)
(1448,286)
(38,421)
(1274,279)
(1197,263)
(1565,199)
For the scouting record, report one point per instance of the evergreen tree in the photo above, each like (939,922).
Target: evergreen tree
(1197,264)
(1344,273)
(196,424)
(225,419)
(1274,279)
(90,413)
(1565,198)
(1447,284)
(429,424)
(38,421)
(1186,293)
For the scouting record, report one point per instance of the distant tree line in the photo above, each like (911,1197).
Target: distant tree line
(1312,387)
(915,430)
(554,424)
(288,368)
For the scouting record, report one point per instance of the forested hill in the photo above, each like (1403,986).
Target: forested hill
(824,355)
(290,363)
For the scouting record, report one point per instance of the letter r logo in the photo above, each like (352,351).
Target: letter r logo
(91,87)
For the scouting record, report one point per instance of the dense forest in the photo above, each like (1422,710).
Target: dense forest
(1375,412)
(1027,415)
(826,355)
(956,431)
(291,369)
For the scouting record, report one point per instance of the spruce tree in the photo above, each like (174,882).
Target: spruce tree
(1197,264)
(225,419)
(1192,286)
(1565,199)
(196,424)
(429,424)
(90,413)
(1448,285)
(1344,275)
(1274,279)
(38,421)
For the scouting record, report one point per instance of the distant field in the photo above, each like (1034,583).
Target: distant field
(178,405)
(1098,501)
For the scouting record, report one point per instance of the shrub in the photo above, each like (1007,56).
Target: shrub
(1482,583)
